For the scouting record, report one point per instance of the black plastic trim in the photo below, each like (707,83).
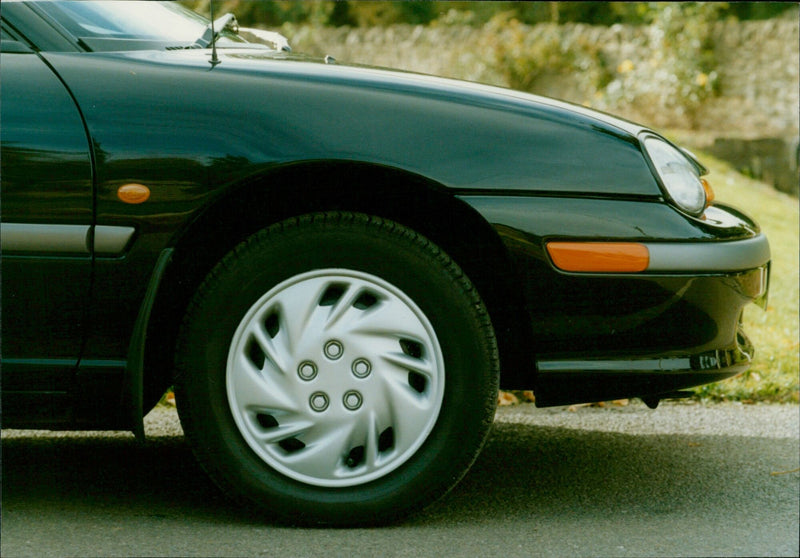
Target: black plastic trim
(133,395)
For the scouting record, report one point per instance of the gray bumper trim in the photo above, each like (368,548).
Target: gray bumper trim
(734,255)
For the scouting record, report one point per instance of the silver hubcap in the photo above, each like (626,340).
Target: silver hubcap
(335,378)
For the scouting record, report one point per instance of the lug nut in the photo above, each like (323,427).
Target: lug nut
(307,371)
(361,368)
(352,400)
(319,401)
(333,349)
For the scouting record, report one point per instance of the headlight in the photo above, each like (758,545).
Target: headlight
(678,175)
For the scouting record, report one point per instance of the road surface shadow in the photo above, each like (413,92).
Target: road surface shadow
(523,471)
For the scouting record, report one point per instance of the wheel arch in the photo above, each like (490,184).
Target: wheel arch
(319,186)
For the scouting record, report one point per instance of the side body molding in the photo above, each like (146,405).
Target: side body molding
(38,238)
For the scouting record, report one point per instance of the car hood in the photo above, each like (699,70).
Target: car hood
(258,61)
(268,107)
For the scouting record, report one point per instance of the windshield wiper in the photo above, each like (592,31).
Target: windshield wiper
(213,29)
(272,38)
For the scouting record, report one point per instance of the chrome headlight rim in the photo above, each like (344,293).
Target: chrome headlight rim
(677,173)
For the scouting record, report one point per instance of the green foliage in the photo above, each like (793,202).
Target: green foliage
(274,13)
(594,13)
(521,54)
(679,68)
(370,14)
(268,13)
(759,10)
(688,48)
(678,73)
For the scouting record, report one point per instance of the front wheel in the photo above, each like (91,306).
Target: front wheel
(336,369)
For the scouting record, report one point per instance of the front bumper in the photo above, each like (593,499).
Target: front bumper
(691,337)
(563,382)
(673,324)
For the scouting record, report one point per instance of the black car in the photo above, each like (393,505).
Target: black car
(335,266)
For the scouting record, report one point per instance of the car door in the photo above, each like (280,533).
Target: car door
(46,236)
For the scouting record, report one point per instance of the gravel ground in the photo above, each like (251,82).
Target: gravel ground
(731,419)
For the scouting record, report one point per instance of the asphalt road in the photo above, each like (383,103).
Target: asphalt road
(685,480)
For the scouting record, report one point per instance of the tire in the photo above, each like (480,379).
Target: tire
(336,369)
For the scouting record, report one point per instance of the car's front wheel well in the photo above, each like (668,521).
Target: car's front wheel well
(300,189)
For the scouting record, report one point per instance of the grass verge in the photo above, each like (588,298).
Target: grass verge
(775,333)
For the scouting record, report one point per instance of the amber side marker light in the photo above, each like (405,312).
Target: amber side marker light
(133,193)
(599,257)
(709,191)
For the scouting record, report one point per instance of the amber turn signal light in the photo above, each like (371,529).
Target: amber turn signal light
(599,257)
(133,193)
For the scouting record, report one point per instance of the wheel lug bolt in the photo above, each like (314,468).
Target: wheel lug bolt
(307,370)
(319,401)
(333,349)
(352,400)
(361,368)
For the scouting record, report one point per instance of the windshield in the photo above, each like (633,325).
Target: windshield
(97,23)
